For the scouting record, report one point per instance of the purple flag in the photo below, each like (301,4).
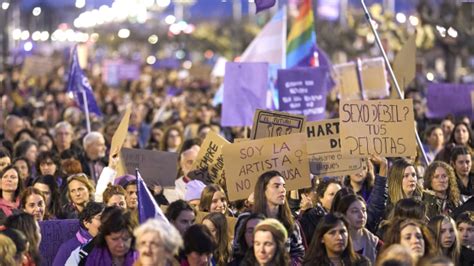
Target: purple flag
(303,91)
(245,90)
(444,98)
(78,84)
(264,4)
(147,206)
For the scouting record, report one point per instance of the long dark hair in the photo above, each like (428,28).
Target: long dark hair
(55,206)
(260,205)
(113,220)
(240,239)
(19,187)
(27,224)
(317,255)
(221,253)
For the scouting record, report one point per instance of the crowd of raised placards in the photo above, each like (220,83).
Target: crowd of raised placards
(65,201)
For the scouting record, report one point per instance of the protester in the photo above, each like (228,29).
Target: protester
(48,187)
(95,157)
(156,243)
(404,209)
(446,237)
(172,140)
(33,201)
(217,224)
(114,195)
(89,223)
(461,161)
(244,238)
(465,226)
(7,251)
(353,208)
(21,244)
(48,164)
(213,199)
(181,215)
(187,156)
(199,245)
(332,244)
(5,159)
(22,165)
(396,254)
(434,142)
(325,193)
(193,192)
(113,244)
(269,248)
(411,234)
(27,224)
(11,187)
(80,192)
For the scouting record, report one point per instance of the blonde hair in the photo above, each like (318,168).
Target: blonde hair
(7,251)
(84,180)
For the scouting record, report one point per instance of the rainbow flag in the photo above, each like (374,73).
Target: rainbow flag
(301,43)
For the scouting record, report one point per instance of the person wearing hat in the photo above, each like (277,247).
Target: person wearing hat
(193,193)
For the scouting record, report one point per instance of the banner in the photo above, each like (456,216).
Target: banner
(379,127)
(115,71)
(156,167)
(444,99)
(210,159)
(245,90)
(246,161)
(53,234)
(324,150)
(273,124)
(303,91)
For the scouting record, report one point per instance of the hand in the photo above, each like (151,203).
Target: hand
(157,189)
(114,160)
(381,162)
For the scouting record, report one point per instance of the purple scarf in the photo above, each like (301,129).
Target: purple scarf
(101,257)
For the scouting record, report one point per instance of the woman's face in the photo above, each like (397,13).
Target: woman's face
(119,243)
(335,240)
(78,192)
(174,139)
(359,177)
(440,180)
(264,247)
(463,164)
(151,250)
(461,135)
(356,215)
(31,154)
(93,225)
(118,201)
(412,238)
(23,168)
(436,138)
(219,203)
(212,228)
(447,234)
(329,194)
(409,180)
(275,191)
(48,167)
(46,192)
(35,206)
(10,180)
(249,228)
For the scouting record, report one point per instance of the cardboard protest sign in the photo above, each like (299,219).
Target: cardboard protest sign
(272,124)
(244,162)
(119,138)
(156,167)
(303,91)
(210,158)
(346,81)
(37,66)
(404,64)
(116,70)
(379,127)
(324,150)
(374,78)
(53,234)
(444,98)
(245,90)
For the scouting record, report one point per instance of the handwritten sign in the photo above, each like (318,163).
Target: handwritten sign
(324,150)
(210,158)
(346,81)
(381,127)
(246,161)
(273,124)
(156,167)
(37,66)
(303,91)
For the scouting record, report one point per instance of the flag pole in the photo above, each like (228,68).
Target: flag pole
(138,194)
(86,109)
(392,74)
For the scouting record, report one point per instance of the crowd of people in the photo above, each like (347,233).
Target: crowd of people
(396,211)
